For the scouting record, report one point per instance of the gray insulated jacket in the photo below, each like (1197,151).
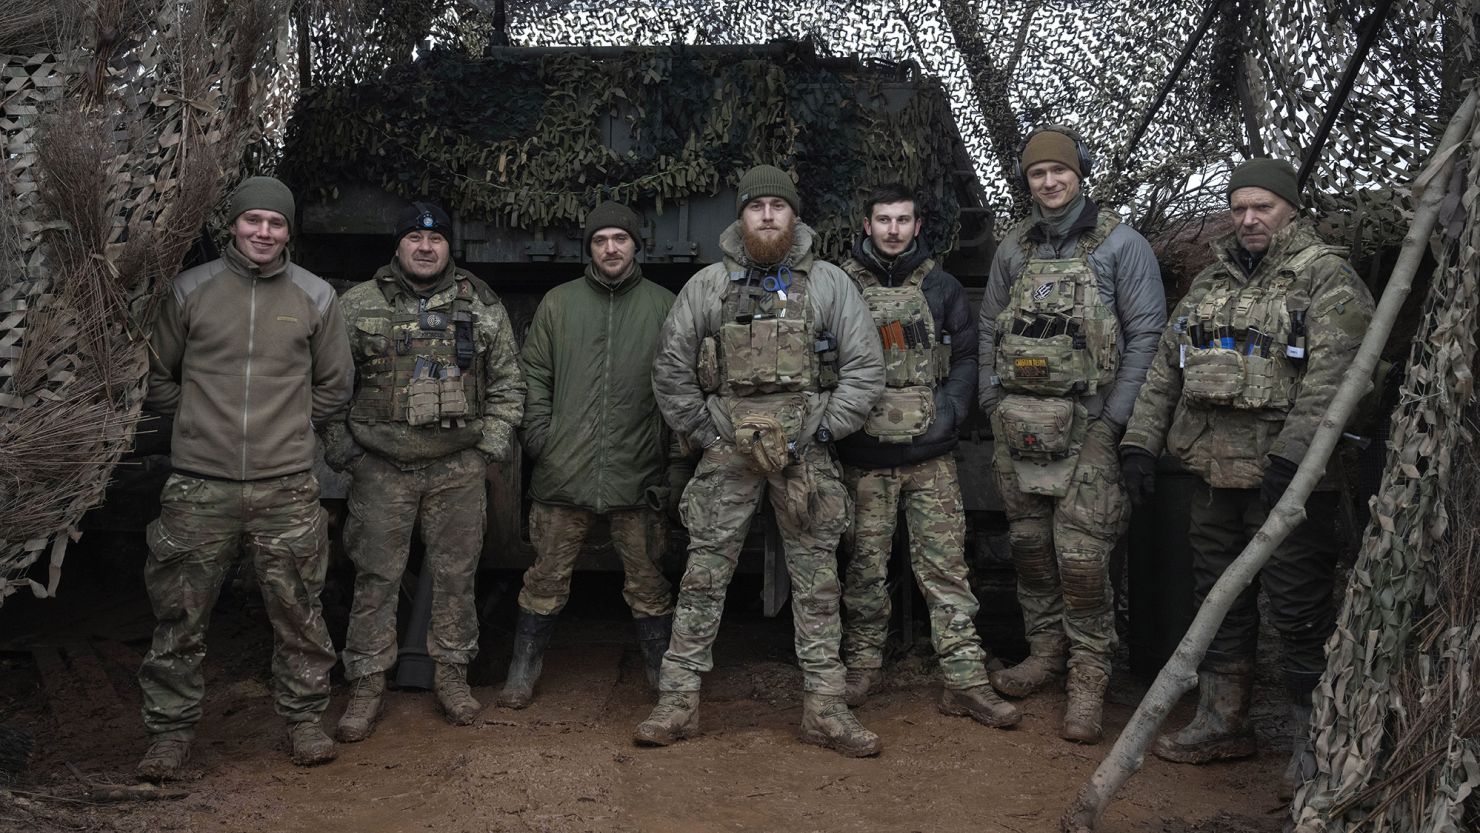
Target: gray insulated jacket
(836,306)
(1130,283)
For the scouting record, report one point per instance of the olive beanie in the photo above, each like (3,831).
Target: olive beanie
(613,215)
(1050,146)
(767,181)
(1274,175)
(262,192)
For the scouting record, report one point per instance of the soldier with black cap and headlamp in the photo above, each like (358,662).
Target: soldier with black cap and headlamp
(438,397)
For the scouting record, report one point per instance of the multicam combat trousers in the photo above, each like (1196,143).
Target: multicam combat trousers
(1061,548)
(203,526)
(812,511)
(450,497)
(640,537)
(937,530)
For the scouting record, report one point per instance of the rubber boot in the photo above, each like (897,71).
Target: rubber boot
(981,704)
(311,746)
(366,700)
(1083,714)
(1030,675)
(859,683)
(674,718)
(454,695)
(1302,761)
(166,754)
(1220,731)
(531,635)
(827,722)
(652,641)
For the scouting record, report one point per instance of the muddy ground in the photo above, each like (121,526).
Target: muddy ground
(566,764)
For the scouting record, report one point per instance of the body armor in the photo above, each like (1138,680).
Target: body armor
(421,367)
(916,357)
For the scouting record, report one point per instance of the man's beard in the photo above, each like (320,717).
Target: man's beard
(768,251)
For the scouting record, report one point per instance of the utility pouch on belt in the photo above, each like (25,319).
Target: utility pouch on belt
(761,440)
(1042,437)
(901,414)
(707,367)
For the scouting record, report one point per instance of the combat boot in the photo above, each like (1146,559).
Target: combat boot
(859,683)
(366,700)
(674,718)
(652,641)
(453,694)
(166,754)
(311,746)
(1030,675)
(981,704)
(827,722)
(531,635)
(1220,731)
(1083,718)
(1302,762)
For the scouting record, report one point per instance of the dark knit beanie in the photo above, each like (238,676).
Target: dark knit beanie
(1051,146)
(265,193)
(613,215)
(767,181)
(424,216)
(1274,175)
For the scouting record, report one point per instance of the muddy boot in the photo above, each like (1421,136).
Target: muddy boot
(164,757)
(981,704)
(1302,761)
(827,722)
(674,718)
(859,683)
(366,699)
(1030,675)
(453,694)
(1220,731)
(652,640)
(1082,714)
(311,746)
(531,636)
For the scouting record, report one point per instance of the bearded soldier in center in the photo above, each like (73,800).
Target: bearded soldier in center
(765,358)
(903,456)
(1073,310)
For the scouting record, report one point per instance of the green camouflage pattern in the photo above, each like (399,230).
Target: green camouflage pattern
(203,526)
(640,537)
(936,519)
(1227,446)
(449,497)
(812,511)
(1061,549)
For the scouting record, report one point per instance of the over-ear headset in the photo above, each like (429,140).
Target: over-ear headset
(1086,162)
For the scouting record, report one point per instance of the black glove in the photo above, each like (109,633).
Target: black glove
(1138,468)
(1277,477)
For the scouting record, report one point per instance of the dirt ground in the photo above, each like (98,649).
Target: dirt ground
(567,763)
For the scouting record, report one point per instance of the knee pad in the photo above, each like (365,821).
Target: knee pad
(1032,552)
(1084,576)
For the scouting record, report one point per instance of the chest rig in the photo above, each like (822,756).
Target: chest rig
(1242,345)
(916,356)
(420,365)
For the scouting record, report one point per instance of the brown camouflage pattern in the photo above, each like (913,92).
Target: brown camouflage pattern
(640,537)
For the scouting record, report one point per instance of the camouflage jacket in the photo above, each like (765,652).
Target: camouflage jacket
(838,307)
(502,404)
(1229,447)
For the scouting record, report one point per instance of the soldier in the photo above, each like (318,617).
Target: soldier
(249,353)
(592,426)
(1242,377)
(1073,308)
(903,455)
(438,397)
(765,358)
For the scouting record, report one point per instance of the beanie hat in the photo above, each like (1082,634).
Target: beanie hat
(423,216)
(1050,146)
(1274,175)
(265,193)
(611,214)
(767,181)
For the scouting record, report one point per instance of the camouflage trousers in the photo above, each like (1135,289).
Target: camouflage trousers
(640,537)
(936,521)
(812,511)
(449,497)
(203,527)
(1061,549)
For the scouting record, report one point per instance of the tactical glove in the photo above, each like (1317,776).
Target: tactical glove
(1138,468)
(1277,477)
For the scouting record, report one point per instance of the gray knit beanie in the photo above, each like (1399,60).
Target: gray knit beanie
(1274,175)
(613,215)
(262,192)
(767,181)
